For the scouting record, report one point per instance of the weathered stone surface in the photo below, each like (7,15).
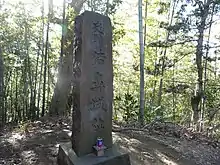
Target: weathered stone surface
(112,156)
(93,77)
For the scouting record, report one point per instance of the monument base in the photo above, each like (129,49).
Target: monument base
(66,156)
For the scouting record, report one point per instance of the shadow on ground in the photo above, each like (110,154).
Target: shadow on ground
(39,146)
(146,151)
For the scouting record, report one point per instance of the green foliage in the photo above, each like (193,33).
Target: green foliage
(21,43)
(128,105)
(107,7)
(118,32)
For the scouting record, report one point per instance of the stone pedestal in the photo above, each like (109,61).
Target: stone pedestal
(112,156)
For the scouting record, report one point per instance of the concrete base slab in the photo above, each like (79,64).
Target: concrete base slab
(66,156)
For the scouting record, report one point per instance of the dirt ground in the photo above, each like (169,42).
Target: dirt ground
(37,144)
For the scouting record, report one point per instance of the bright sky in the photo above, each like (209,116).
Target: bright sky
(37,11)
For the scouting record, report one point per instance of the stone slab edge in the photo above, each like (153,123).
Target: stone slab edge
(66,156)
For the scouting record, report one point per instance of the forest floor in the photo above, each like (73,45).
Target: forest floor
(37,143)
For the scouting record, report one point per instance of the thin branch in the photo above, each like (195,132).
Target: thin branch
(168,44)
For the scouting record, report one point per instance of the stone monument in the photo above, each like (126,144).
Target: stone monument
(92,95)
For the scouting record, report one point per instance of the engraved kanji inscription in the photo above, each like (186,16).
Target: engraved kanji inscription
(98,27)
(97,35)
(98,123)
(97,103)
(98,56)
(98,43)
(98,83)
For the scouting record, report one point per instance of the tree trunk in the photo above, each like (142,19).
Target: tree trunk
(145,23)
(30,82)
(17,109)
(35,86)
(48,78)
(145,37)
(11,101)
(174,105)
(170,18)
(45,67)
(205,72)
(198,94)
(2,107)
(39,86)
(42,61)
(25,90)
(6,93)
(56,103)
(59,102)
(141,43)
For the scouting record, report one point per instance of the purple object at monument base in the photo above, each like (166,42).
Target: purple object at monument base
(99,142)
